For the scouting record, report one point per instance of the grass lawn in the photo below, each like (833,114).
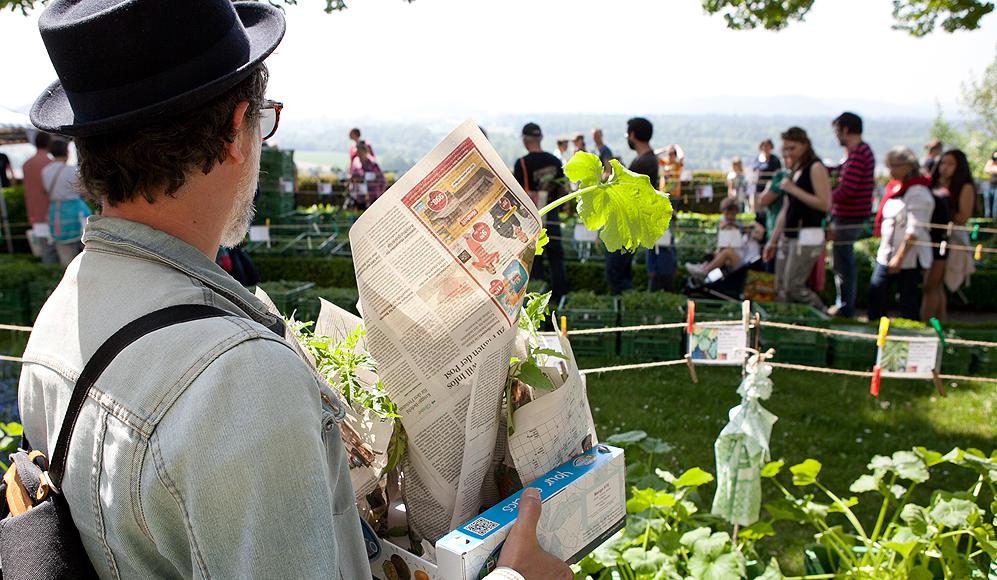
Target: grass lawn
(826,417)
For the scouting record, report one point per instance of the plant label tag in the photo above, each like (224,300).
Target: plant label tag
(811,237)
(729,238)
(325,189)
(259,233)
(713,344)
(913,357)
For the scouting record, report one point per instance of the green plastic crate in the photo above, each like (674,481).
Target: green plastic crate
(662,344)
(796,346)
(718,310)
(984,359)
(286,295)
(851,353)
(581,318)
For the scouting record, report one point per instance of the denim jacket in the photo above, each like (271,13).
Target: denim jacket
(205,450)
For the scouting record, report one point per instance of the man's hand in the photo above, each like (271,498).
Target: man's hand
(521,551)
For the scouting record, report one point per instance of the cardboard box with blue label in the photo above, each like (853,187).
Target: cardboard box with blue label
(584,503)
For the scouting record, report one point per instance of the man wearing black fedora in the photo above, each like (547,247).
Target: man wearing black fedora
(206,448)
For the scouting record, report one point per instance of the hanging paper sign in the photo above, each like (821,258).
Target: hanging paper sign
(325,189)
(583,234)
(705,191)
(665,240)
(686,175)
(729,238)
(287,186)
(259,233)
(914,357)
(717,345)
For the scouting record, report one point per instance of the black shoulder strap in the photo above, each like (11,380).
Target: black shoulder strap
(105,354)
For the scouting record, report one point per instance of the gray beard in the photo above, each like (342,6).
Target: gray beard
(243,210)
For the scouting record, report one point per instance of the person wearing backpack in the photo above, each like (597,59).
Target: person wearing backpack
(67,212)
(204,446)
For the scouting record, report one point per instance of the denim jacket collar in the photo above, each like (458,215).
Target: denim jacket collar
(130,238)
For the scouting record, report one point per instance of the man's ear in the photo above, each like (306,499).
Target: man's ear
(233,150)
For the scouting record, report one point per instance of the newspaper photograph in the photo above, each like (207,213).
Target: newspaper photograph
(442,262)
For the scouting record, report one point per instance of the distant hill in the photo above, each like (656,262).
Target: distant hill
(709,140)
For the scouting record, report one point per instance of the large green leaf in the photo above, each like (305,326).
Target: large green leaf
(626,210)
(722,567)
(627,438)
(865,483)
(645,561)
(694,477)
(584,168)
(955,512)
(805,473)
(772,468)
(910,466)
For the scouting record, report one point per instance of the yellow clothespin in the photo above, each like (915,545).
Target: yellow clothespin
(942,247)
(978,254)
(564,326)
(884,328)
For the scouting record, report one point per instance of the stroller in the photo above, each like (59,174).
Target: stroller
(718,285)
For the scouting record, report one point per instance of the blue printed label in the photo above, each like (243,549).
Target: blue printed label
(548,485)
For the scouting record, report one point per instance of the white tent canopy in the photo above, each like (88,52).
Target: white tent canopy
(14,127)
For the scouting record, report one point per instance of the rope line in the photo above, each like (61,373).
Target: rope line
(635,366)
(15,327)
(610,329)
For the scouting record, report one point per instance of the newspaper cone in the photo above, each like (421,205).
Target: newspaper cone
(743,447)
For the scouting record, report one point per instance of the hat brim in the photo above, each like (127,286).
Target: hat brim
(265,28)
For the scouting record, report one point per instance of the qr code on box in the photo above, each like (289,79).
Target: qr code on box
(481,526)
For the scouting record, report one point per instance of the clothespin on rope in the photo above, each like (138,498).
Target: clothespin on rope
(874,384)
(884,328)
(267,222)
(976,232)
(942,247)
(938,330)
(746,315)
(948,230)
(690,321)
(692,369)
(564,326)
(978,254)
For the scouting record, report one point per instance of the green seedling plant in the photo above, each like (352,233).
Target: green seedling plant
(339,362)
(624,207)
(669,535)
(536,308)
(10,439)
(950,537)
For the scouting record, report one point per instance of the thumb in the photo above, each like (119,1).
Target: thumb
(529,514)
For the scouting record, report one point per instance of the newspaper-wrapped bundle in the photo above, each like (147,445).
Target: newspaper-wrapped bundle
(442,262)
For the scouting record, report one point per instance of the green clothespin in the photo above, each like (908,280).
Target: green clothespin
(938,329)
(976,232)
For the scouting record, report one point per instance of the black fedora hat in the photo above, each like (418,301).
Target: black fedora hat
(123,64)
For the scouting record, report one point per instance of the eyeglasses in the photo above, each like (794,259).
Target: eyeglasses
(269,118)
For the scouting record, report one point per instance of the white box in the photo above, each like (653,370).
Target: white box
(584,504)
